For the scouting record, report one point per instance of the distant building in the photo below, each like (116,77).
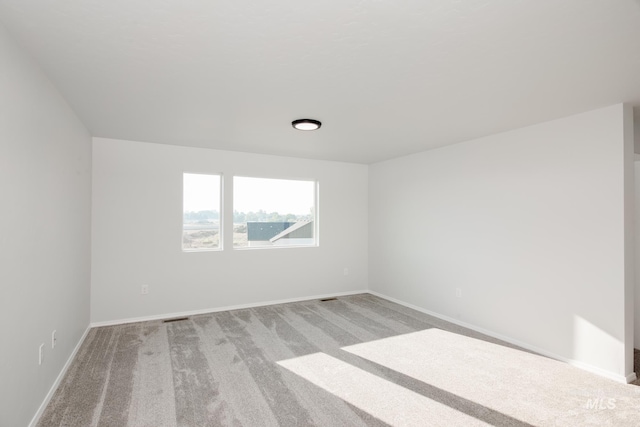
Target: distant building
(280,233)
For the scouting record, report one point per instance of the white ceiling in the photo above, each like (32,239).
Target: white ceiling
(386,77)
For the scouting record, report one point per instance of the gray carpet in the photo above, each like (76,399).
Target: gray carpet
(348,362)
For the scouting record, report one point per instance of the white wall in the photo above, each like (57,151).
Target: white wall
(529,224)
(136,239)
(45,183)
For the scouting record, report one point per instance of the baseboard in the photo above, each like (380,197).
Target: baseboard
(58,380)
(217,309)
(590,368)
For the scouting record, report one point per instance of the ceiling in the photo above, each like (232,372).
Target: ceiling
(386,77)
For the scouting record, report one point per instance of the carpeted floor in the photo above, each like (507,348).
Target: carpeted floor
(355,361)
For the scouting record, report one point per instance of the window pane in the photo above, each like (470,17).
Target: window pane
(201,212)
(273,212)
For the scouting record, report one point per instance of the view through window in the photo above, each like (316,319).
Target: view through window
(201,212)
(273,212)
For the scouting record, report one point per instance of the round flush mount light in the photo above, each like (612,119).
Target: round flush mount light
(306,124)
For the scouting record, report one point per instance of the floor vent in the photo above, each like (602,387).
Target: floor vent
(177,319)
(328,299)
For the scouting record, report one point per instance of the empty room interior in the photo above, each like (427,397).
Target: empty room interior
(357,213)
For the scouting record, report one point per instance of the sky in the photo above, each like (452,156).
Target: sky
(202,192)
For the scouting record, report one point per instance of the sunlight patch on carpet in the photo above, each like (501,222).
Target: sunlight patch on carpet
(519,384)
(386,401)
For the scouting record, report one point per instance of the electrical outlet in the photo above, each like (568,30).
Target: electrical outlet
(459,292)
(346,271)
(41,354)
(144,290)
(53,339)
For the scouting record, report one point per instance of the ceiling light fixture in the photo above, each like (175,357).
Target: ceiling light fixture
(306,124)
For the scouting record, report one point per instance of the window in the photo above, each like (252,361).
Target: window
(273,212)
(201,212)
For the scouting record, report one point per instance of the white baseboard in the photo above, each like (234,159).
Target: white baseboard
(217,309)
(56,383)
(590,368)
